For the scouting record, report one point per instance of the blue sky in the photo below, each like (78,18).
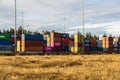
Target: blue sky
(101,16)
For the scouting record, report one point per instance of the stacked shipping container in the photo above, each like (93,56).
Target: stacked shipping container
(56,41)
(78,43)
(107,44)
(5,43)
(87,44)
(65,42)
(32,43)
(93,45)
(99,45)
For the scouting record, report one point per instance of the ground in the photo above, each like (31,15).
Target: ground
(68,67)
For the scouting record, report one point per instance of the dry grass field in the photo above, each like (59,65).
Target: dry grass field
(70,67)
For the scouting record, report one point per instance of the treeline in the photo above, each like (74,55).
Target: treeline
(20,30)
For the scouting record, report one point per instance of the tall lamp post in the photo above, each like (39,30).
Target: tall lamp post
(15,25)
(83,25)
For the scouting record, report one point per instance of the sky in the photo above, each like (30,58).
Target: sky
(101,16)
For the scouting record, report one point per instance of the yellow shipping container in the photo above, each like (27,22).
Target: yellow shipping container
(18,46)
(72,49)
(22,46)
(78,49)
(48,39)
(77,38)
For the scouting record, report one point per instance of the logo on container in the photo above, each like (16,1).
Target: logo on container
(2,36)
(48,48)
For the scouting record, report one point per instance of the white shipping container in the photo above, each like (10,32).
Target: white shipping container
(99,43)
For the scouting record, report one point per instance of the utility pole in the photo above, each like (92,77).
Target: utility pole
(83,25)
(15,25)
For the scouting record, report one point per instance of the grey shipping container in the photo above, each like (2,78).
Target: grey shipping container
(6,48)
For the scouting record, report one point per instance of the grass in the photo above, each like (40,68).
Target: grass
(70,67)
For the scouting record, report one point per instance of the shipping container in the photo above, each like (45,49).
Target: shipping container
(87,40)
(93,48)
(72,49)
(12,39)
(5,42)
(33,43)
(99,43)
(4,36)
(18,46)
(55,39)
(64,44)
(45,41)
(99,49)
(22,45)
(65,49)
(6,48)
(33,48)
(78,44)
(48,44)
(48,39)
(56,44)
(33,37)
(77,38)
(55,35)
(87,45)
(65,40)
(78,49)
(65,35)
(48,49)
(87,49)
(105,49)
(57,49)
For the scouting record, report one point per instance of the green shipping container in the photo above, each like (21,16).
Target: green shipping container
(4,37)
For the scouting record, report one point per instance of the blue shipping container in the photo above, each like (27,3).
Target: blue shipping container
(87,40)
(45,41)
(6,43)
(33,37)
(6,48)
(65,48)
(99,49)
(87,44)
(94,49)
(65,35)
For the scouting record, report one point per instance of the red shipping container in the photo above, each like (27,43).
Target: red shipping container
(12,39)
(65,39)
(33,43)
(33,48)
(65,44)
(55,44)
(56,39)
(57,49)
(71,42)
(87,49)
(55,35)
(79,44)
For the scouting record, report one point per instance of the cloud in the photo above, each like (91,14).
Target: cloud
(100,15)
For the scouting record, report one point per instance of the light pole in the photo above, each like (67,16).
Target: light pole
(22,22)
(83,25)
(64,25)
(15,24)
